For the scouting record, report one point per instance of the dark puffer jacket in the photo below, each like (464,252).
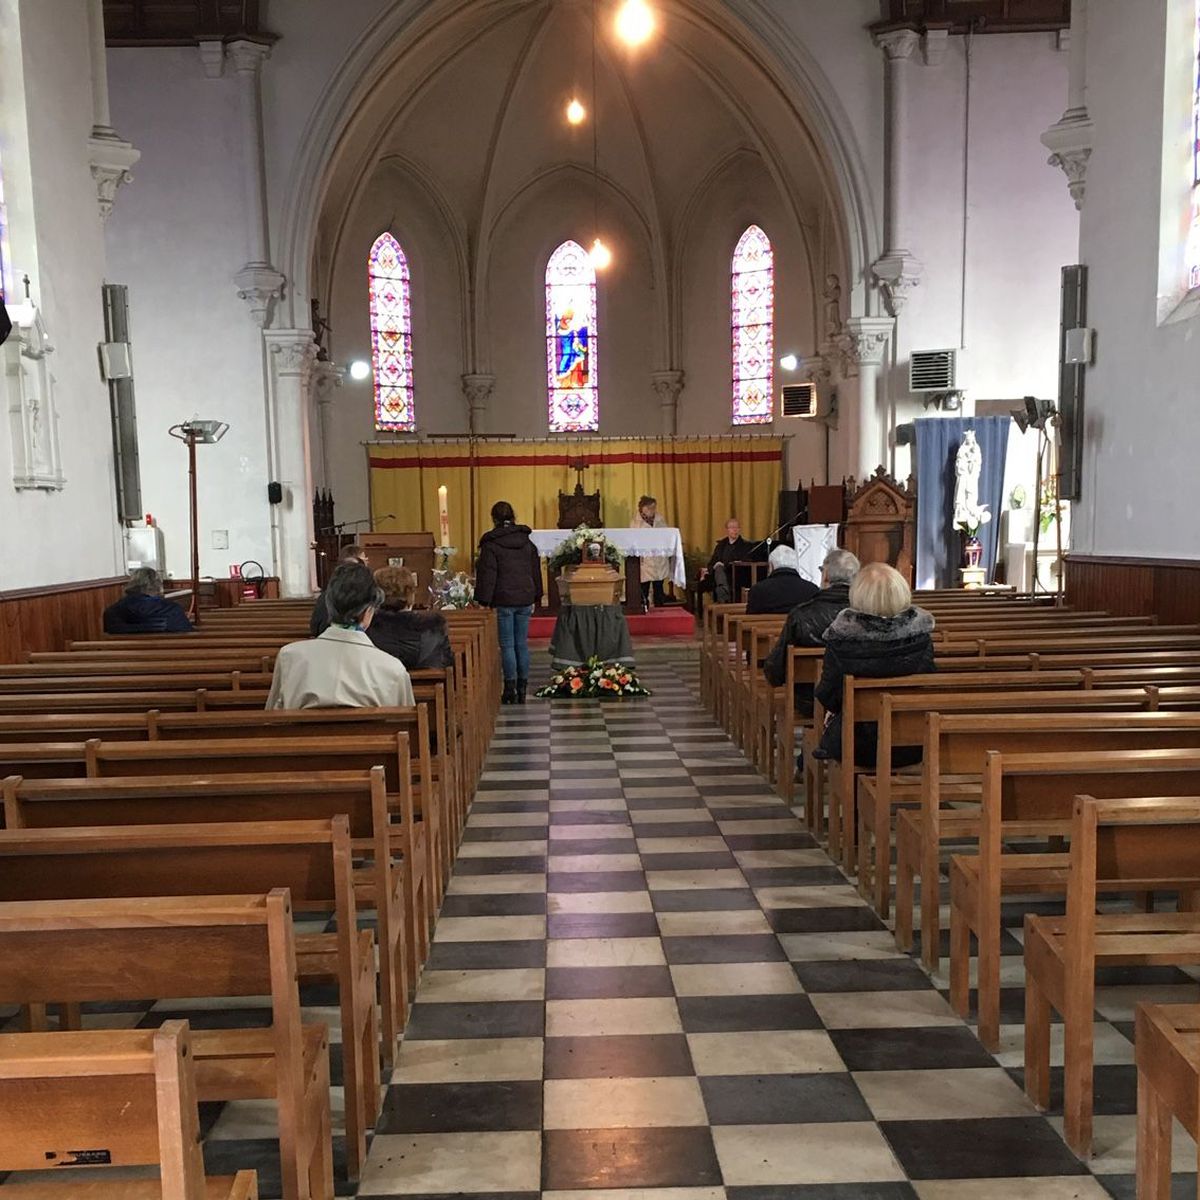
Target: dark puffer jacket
(136,612)
(509,571)
(805,626)
(780,592)
(869,647)
(418,639)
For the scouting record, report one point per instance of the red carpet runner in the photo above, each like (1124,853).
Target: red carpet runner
(659,622)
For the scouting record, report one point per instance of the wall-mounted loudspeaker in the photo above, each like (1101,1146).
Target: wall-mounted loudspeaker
(275,492)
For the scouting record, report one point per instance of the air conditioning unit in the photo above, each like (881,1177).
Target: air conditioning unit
(798,400)
(932,371)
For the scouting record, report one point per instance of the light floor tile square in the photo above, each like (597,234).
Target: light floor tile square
(778,1052)
(446,1163)
(469,1060)
(826,947)
(495,885)
(612,1018)
(762,1155)
(490,929)
(942,1095)
(623,1103)
(883,1010)
(605,952)
(599,902)
(699,924)
(460,987)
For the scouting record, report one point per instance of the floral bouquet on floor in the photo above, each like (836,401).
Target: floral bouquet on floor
(452,591)
(594,681)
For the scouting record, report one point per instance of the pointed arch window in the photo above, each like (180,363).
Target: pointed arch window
(391,336)
(752,280)
(571,342)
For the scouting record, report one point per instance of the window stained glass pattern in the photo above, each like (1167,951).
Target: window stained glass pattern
(753,304)
(571,360)
(391,336)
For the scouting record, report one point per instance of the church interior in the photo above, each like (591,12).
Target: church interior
(600,599)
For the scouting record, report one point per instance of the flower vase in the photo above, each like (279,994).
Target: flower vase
(974,552)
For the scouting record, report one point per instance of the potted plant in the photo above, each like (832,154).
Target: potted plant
(970,524)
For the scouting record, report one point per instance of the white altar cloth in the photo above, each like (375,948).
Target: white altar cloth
(813,543)
(664,541)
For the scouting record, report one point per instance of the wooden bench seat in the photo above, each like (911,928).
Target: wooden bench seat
(1167,1052)
(1131,844)
(110,1099)
(105,950)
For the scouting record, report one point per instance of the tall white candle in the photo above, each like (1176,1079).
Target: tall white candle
(444,515)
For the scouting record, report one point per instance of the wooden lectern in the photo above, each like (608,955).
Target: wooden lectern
(412,550)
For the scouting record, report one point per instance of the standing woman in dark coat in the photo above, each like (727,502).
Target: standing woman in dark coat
(508,578)
(880,636)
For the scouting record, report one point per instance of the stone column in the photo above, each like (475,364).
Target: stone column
(897,271)
(863,343)
(326,379)
(667,387)
(1069,139)
(477,391)
(109,155)
(258,283)
(291,355)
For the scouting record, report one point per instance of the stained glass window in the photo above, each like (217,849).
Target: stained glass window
(391,336)
(571,361)
(753,305)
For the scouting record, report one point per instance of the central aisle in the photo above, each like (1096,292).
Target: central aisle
(646,976)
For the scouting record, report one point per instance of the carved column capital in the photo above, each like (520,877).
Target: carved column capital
(667,387)
(897,44)
(110,159)
(864,340)
(897,273)
(327,377)
(293,353)
(477,390)
(248,56)
(259,287)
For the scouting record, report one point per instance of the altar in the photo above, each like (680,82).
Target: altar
(662,542)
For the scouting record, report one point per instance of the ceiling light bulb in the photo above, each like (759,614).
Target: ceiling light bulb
(600,255)
(635,22)
(789,362)
(359,369)
(576,113)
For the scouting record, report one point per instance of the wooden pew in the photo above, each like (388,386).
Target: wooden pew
(121,1098)
(312,859)
(73,951)
(1116,845)
(1030,795)
(1167,1051)
(381,882)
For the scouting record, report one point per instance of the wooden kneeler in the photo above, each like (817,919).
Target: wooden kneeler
(74,951)
(116,1098)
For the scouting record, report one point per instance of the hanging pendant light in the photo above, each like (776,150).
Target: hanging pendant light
(576,113)
(600,255)
(635,22)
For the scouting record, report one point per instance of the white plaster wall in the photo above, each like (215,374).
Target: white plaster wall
(1141,426)
(176,238)
(45,120)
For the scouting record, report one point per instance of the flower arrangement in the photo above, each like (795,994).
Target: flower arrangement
(594,681)
(973,521)
(573,549)
(452,591)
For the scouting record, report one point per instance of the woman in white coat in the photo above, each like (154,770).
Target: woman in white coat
(655,568)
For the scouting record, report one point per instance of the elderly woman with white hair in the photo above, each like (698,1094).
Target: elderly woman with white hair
(880,636)
(783,588)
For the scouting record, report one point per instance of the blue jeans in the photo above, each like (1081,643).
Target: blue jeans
(514,640)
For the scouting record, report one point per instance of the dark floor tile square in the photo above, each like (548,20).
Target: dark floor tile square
(825,1191)
(509,1018)
(607,983)
(630,1056)
(1124,1187)
(933,1048)
(515,904)
(725,1014)
(485,956)
(506,833)
(769,841)
(704,900)
(991,1148)
(589,818)
(724,948)
(628,1158)
(674,829)
(836,919)
(526,864)
(601,925)
(596,881)
(602,775)
(1114,1088)
(461,1107)
(762,877)
(610,791)
(638,803)
(754,812)
(566,847)
(715,860)
(862,975)
(782,1099)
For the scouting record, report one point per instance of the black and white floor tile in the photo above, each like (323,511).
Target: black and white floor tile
(648,983)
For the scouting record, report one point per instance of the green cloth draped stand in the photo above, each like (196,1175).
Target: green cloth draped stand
(590,630)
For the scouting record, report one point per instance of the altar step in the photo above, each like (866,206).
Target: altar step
(672,621)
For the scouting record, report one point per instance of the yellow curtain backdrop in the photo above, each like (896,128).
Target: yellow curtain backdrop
(698,482)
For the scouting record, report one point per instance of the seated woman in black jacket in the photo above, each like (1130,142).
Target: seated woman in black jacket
(418,639)
(879,636)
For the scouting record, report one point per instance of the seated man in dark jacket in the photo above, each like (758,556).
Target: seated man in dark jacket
(418,639)
(880,636)
(784,588)
(319,621)
(806,624)
(719,574)
(143,610)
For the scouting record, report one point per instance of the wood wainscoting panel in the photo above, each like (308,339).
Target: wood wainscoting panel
(1167,588)
(48,618)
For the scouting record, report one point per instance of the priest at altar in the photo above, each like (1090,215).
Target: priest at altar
(656,568)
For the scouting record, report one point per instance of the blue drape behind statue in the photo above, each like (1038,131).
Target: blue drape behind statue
(939,546)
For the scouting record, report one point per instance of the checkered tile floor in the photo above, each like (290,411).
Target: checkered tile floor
(647,983)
